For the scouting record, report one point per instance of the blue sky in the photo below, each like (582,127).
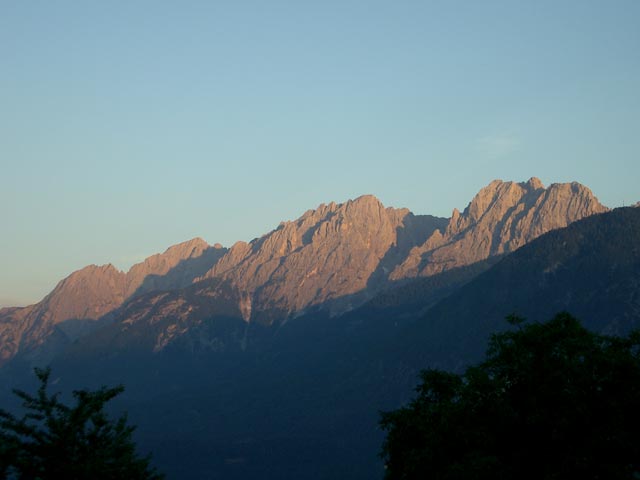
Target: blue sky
(126,127)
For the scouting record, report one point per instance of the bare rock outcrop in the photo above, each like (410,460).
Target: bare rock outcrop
(336,254)
(177,267)
(335,257)
(12,327)
(88,294)
(188,317)
(502,217)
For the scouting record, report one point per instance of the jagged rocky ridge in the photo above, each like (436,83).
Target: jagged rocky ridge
(590,269)
(306,404)
(334,257)
(502,217)
(87,295)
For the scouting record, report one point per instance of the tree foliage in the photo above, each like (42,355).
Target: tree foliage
(56,441)
(550,401)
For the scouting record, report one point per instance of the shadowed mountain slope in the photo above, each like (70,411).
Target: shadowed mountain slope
(502,217)
(335,257)
(307,401)
(338,256)
(86,295)
(590,269)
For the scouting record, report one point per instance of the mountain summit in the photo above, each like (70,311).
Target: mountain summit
(88,294)
(502,217)
(333,258)
(337,254)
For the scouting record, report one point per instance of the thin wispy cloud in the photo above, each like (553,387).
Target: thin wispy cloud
(498,146)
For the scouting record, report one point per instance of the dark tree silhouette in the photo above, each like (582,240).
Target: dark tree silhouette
(56,441)
(551,401)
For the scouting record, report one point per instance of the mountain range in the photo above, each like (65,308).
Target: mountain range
(274,357)
(335,257)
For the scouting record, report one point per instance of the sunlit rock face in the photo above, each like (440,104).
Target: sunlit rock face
(85,295)
(334,257)
(90,293)
(177,267)
(337,254)
(502,217)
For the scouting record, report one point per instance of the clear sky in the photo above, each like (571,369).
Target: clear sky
(128,126)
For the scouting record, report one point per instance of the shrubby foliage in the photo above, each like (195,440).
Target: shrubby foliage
(551,401)
(55,441)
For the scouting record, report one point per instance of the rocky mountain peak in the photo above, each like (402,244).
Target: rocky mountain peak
(327,254)
(363,203)
(335,257)
(535,183)
(187,249)
(497,197)
(502,217)
(161,263)
(177,267)
(95,290)
(87,293)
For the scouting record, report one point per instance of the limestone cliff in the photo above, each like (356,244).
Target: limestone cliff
(334,257)
(502,217)
(337,254)
(177,267)
(88,294)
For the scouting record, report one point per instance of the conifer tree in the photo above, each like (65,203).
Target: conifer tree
(55,441)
